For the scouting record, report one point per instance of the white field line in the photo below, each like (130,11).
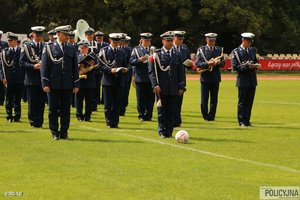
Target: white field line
(121,132)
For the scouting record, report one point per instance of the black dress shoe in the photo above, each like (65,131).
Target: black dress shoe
(248,123)
(87,119)
(141,119)
(162,136)
(64,135)
(36,126)
(242,125)
(17,120)
(64,138)
(55,137)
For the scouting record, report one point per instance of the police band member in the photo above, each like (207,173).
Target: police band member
(93,47)
(72,39)
(113,64)
(144,93)
(124,44)
(51,35)
(31,62)
(3,45)
(167,78)
(245,63)
(12,76)
(209,60)
(60,78)
(186,56)
(99,39)
(98,97)
(87,85)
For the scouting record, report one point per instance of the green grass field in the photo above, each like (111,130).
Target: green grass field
(222,161)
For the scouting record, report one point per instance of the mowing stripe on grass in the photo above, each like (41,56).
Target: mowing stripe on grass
(265,102)
(121,133)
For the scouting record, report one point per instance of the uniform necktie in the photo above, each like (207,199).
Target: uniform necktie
(168,52)
(13,50)
(63,46)
(38,47)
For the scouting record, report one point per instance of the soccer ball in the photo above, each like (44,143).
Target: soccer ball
(182,136)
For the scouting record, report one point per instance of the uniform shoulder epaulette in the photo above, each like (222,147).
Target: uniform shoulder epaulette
(236,49)
(138,47)
(106,47)
(202,47)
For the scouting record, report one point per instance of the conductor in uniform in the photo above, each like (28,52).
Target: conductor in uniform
(113,64)
(60,78)
(167,78)
(245,63)
(186,56)
(144,93)
(31,62)
(87,86)
(209,60)
(3,45)
(12,77)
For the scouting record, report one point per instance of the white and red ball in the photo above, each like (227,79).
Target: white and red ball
(182,136)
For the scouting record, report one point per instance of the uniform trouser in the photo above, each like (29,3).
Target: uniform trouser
(245,102)
(97,96)
(13,100)
(59,99)
(112,104)
(36,105)
(145,100)
(24,94)
(209,90)
(86,94)
(166,114)
(2,92)
(177,117)
(124,101)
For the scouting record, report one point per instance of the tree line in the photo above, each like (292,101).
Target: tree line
(275,23)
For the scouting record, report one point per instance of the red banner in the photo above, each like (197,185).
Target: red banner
(284,65)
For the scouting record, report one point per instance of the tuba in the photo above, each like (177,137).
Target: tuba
(81,26)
